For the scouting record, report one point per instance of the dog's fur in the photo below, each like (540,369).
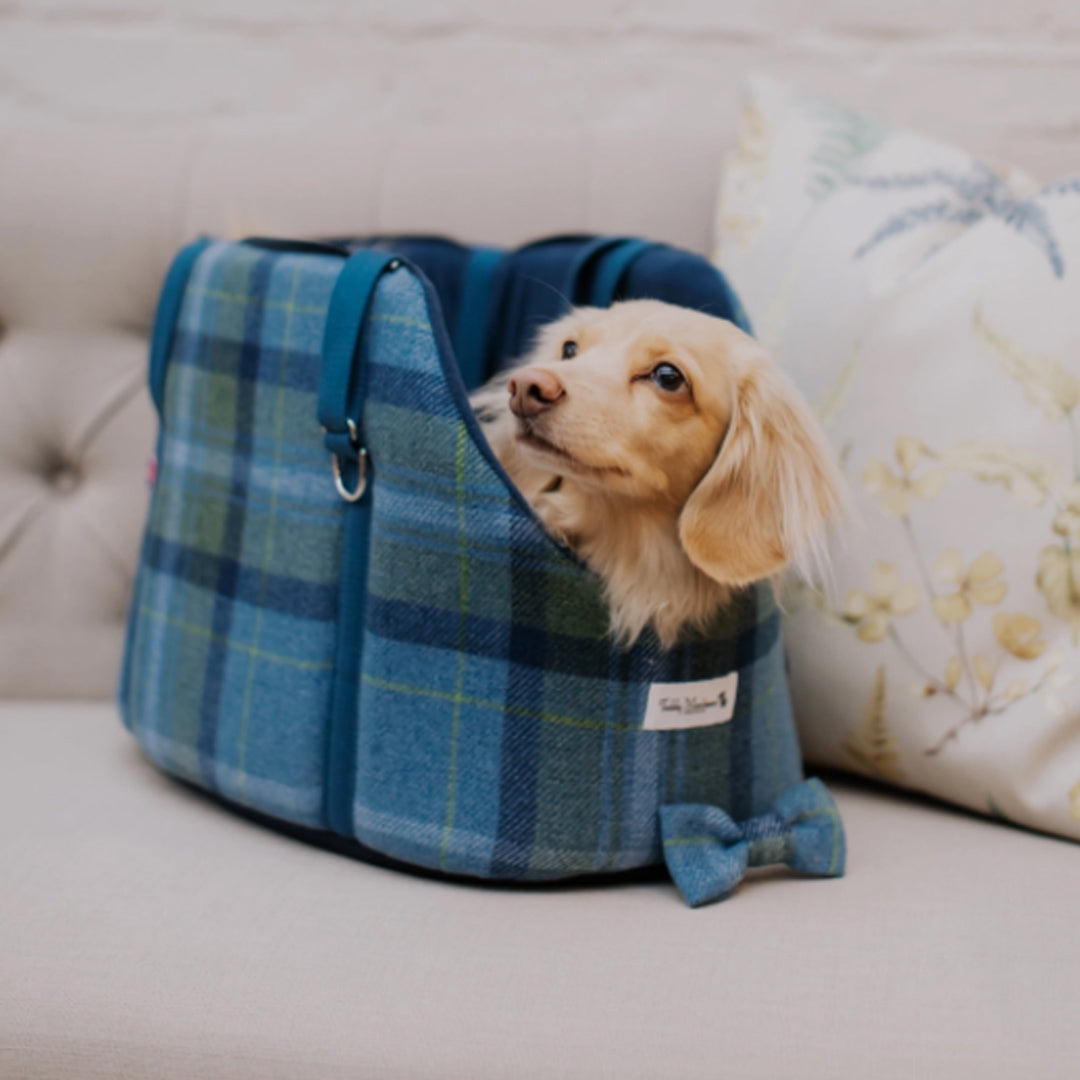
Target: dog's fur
(675,498)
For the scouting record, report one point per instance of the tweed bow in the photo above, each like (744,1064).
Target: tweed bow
(708,853)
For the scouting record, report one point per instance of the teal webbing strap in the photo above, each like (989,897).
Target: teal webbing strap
(474,315)
(168,311)
(341,386)
(613,264)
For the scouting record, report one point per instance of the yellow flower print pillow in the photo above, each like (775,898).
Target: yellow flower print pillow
(928,304)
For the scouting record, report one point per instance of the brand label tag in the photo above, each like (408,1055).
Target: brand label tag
(674,706)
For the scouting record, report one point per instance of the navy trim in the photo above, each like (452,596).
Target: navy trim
(352,848)
(341,733)
(168,311)
(340,400)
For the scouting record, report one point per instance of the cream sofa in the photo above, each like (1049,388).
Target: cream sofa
(144,932)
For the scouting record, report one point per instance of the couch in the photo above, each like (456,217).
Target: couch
(146,932)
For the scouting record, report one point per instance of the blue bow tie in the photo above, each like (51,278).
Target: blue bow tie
(708,854)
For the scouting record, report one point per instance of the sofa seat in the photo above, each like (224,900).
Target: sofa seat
(146,932)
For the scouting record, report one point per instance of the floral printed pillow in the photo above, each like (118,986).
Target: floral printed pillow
(928,304)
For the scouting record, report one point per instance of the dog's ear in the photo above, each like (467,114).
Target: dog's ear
(765,499)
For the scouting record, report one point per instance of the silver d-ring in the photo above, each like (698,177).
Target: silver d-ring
(361,477)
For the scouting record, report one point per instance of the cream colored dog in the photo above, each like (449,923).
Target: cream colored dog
(669,451)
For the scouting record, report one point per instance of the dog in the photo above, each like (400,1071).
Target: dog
(667,450)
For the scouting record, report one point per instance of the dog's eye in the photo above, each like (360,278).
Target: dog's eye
(569,350)
(668,377)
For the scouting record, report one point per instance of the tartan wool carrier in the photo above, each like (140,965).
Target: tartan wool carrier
(346,618)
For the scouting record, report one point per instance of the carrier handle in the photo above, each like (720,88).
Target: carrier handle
(168,311)
(341,397)
(474,315)
(612,268)
(572,289)
(614,255)
(340,379)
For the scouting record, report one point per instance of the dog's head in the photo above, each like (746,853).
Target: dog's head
(683,412)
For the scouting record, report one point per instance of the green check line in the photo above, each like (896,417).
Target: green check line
(242,300)
(683,841)
(496,706)
(459,678)
(220,639)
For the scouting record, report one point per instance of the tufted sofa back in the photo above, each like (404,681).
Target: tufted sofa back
(89,220)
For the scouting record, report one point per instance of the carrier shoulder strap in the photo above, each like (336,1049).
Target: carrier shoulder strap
(613,265)
(341,396)
(477,303)
(607,258)
(340,380)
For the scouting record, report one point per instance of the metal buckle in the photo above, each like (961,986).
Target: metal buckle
(361,467)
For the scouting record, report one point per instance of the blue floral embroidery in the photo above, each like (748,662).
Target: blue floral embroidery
(973,196)
(1071,186)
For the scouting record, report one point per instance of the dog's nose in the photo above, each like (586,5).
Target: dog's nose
(532,390)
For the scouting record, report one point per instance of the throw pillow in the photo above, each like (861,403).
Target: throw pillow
(928,303)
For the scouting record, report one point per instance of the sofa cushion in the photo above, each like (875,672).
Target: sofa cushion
(146,932)
(927,304)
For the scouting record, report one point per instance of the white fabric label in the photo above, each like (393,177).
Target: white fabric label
(676,705)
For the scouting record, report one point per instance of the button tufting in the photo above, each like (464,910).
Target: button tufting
(63,476)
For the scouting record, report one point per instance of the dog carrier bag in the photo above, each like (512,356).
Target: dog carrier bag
(347,621)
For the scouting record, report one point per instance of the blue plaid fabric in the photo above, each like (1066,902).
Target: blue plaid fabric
(233,617)
(498,730)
